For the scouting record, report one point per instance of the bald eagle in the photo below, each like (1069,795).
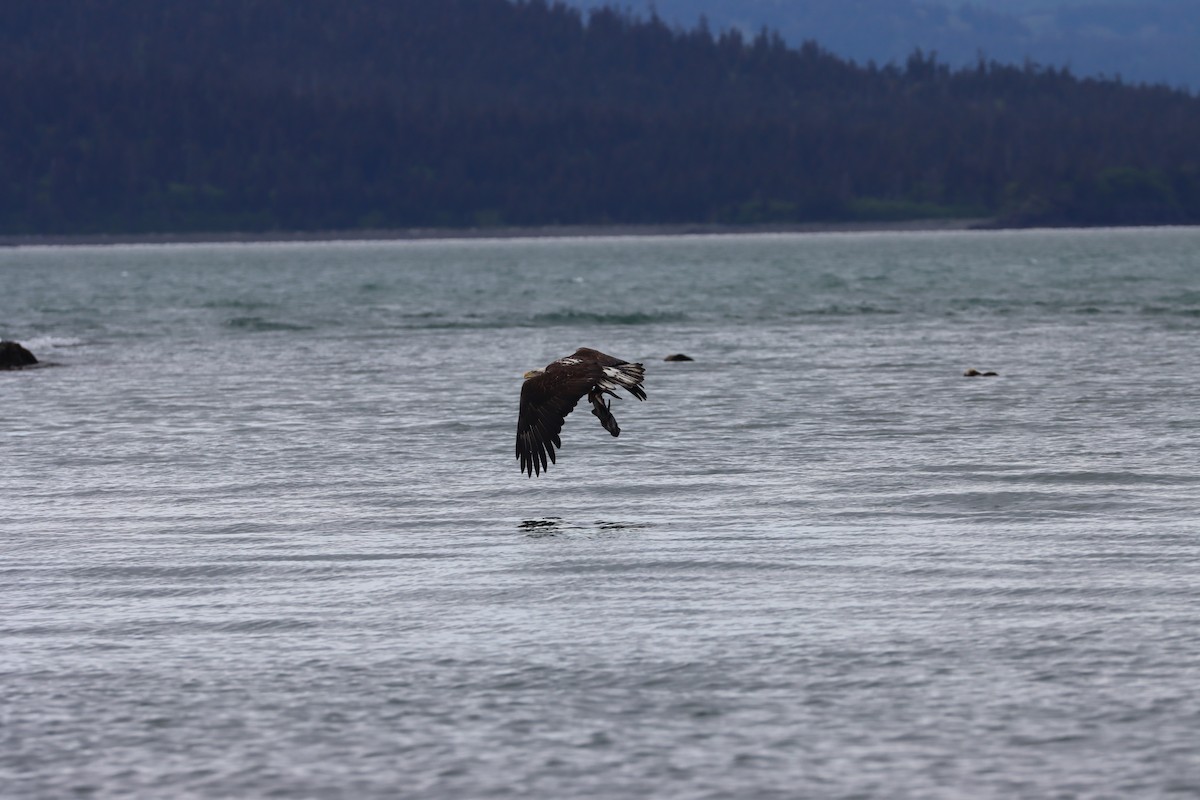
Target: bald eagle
(549,394)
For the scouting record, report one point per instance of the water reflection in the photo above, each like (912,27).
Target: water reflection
(557,526)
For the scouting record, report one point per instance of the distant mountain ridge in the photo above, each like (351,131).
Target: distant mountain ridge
(1153,41)
(171,115)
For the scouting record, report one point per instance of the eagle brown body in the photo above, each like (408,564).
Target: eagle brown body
(550,394)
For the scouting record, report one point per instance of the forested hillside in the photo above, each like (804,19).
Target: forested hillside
(173,115)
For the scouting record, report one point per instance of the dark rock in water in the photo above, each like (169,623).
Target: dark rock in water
(678,357)
(14,356)
(974,373)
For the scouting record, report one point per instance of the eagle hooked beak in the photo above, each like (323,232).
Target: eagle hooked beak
(533,373)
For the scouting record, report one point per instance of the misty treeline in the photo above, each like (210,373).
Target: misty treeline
(175,115)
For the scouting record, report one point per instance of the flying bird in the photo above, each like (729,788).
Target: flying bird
(549,394)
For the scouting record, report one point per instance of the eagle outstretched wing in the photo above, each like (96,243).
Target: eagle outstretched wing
(546,400)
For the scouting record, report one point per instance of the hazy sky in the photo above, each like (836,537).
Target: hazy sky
(1156,41)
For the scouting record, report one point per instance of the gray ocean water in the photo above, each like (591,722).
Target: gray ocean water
(263,534)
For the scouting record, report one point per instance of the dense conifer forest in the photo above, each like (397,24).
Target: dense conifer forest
(174,115)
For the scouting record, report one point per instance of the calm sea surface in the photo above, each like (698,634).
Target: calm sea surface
(263,534)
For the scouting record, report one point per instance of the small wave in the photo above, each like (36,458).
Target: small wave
(51,343)
(435,321)
(155,592)
(341,557)
(1169,311)
(592,318)
(122,572)
(1105,478)
(259,324)
(237,304)
(864,309)
(269,625)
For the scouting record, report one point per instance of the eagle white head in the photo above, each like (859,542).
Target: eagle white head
(533,373)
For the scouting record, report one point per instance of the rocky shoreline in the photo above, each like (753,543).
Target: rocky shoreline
(537,232)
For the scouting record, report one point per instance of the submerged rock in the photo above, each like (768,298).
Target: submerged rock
(14,356)
(678,357)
